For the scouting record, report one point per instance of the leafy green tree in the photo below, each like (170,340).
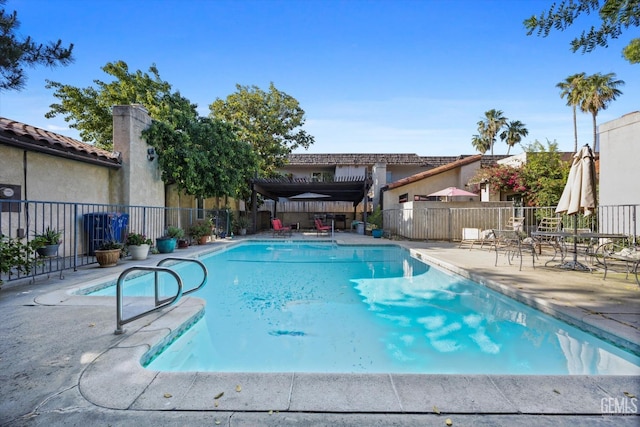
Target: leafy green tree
(89,109)
(16,53)
(540,180)
(489,127)
(203,158)
(597,92)
(513,133)
(544,174)
(269,121)
(632,51)
(572,88)
(616,16)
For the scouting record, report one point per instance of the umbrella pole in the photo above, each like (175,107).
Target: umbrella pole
(575,265)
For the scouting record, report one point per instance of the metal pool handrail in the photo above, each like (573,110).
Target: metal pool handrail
(200,263)
(158,302)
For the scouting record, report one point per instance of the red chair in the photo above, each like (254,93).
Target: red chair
(279,229)
(320,228)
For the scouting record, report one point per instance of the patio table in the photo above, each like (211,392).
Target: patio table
(562,235)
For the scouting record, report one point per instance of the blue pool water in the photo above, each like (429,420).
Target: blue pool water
(285,307)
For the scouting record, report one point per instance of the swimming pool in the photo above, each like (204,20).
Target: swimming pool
(285,307)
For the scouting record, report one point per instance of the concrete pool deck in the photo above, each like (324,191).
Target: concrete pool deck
(62,364)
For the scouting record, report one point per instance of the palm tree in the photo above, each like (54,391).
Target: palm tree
(597,92)
(513,133)
(490,126)
(571,88)
(480,144)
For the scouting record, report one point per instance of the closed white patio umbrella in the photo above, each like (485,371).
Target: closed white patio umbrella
(579,195)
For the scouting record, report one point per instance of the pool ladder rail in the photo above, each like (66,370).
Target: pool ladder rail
(159,303)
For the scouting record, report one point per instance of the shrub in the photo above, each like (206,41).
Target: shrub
(375,219)
(200,229)
(16,256)
(136,239)
(174,232)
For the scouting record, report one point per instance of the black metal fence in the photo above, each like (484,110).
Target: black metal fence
(85,226)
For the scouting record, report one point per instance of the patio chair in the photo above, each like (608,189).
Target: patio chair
(489,236)
(279,229)
(513,243)
(515,223)
(321,228)
(476,236)
(550,225)
(469,237)
(611,253)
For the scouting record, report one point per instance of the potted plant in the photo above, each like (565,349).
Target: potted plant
(200,231)
(167,243)
(175,232)
(178,234)
(108,253)
(375,222)
(242,223)
(47,243)
(138,246)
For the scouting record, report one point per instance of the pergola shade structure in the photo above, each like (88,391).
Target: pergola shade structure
(342,189)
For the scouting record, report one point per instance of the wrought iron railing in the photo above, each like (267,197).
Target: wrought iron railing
(84,227)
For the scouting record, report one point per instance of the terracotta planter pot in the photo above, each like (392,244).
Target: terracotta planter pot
(108,258)
(139,252)
(203,240)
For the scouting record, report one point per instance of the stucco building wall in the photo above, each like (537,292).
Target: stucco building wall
(457,177)
(43,177)
(620,160)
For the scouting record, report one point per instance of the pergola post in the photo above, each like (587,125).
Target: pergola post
(254,208)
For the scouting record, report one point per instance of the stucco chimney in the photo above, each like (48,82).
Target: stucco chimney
(138,182)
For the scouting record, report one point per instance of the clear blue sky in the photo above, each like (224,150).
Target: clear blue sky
(378,76)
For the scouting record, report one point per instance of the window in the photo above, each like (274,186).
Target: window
(200,208)
(322,177)
(404,198)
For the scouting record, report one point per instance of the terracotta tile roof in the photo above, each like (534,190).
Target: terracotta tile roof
(36,139)
(429,162)
(432,172)
(354,159)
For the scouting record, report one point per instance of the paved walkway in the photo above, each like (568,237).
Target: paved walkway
(62,364)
